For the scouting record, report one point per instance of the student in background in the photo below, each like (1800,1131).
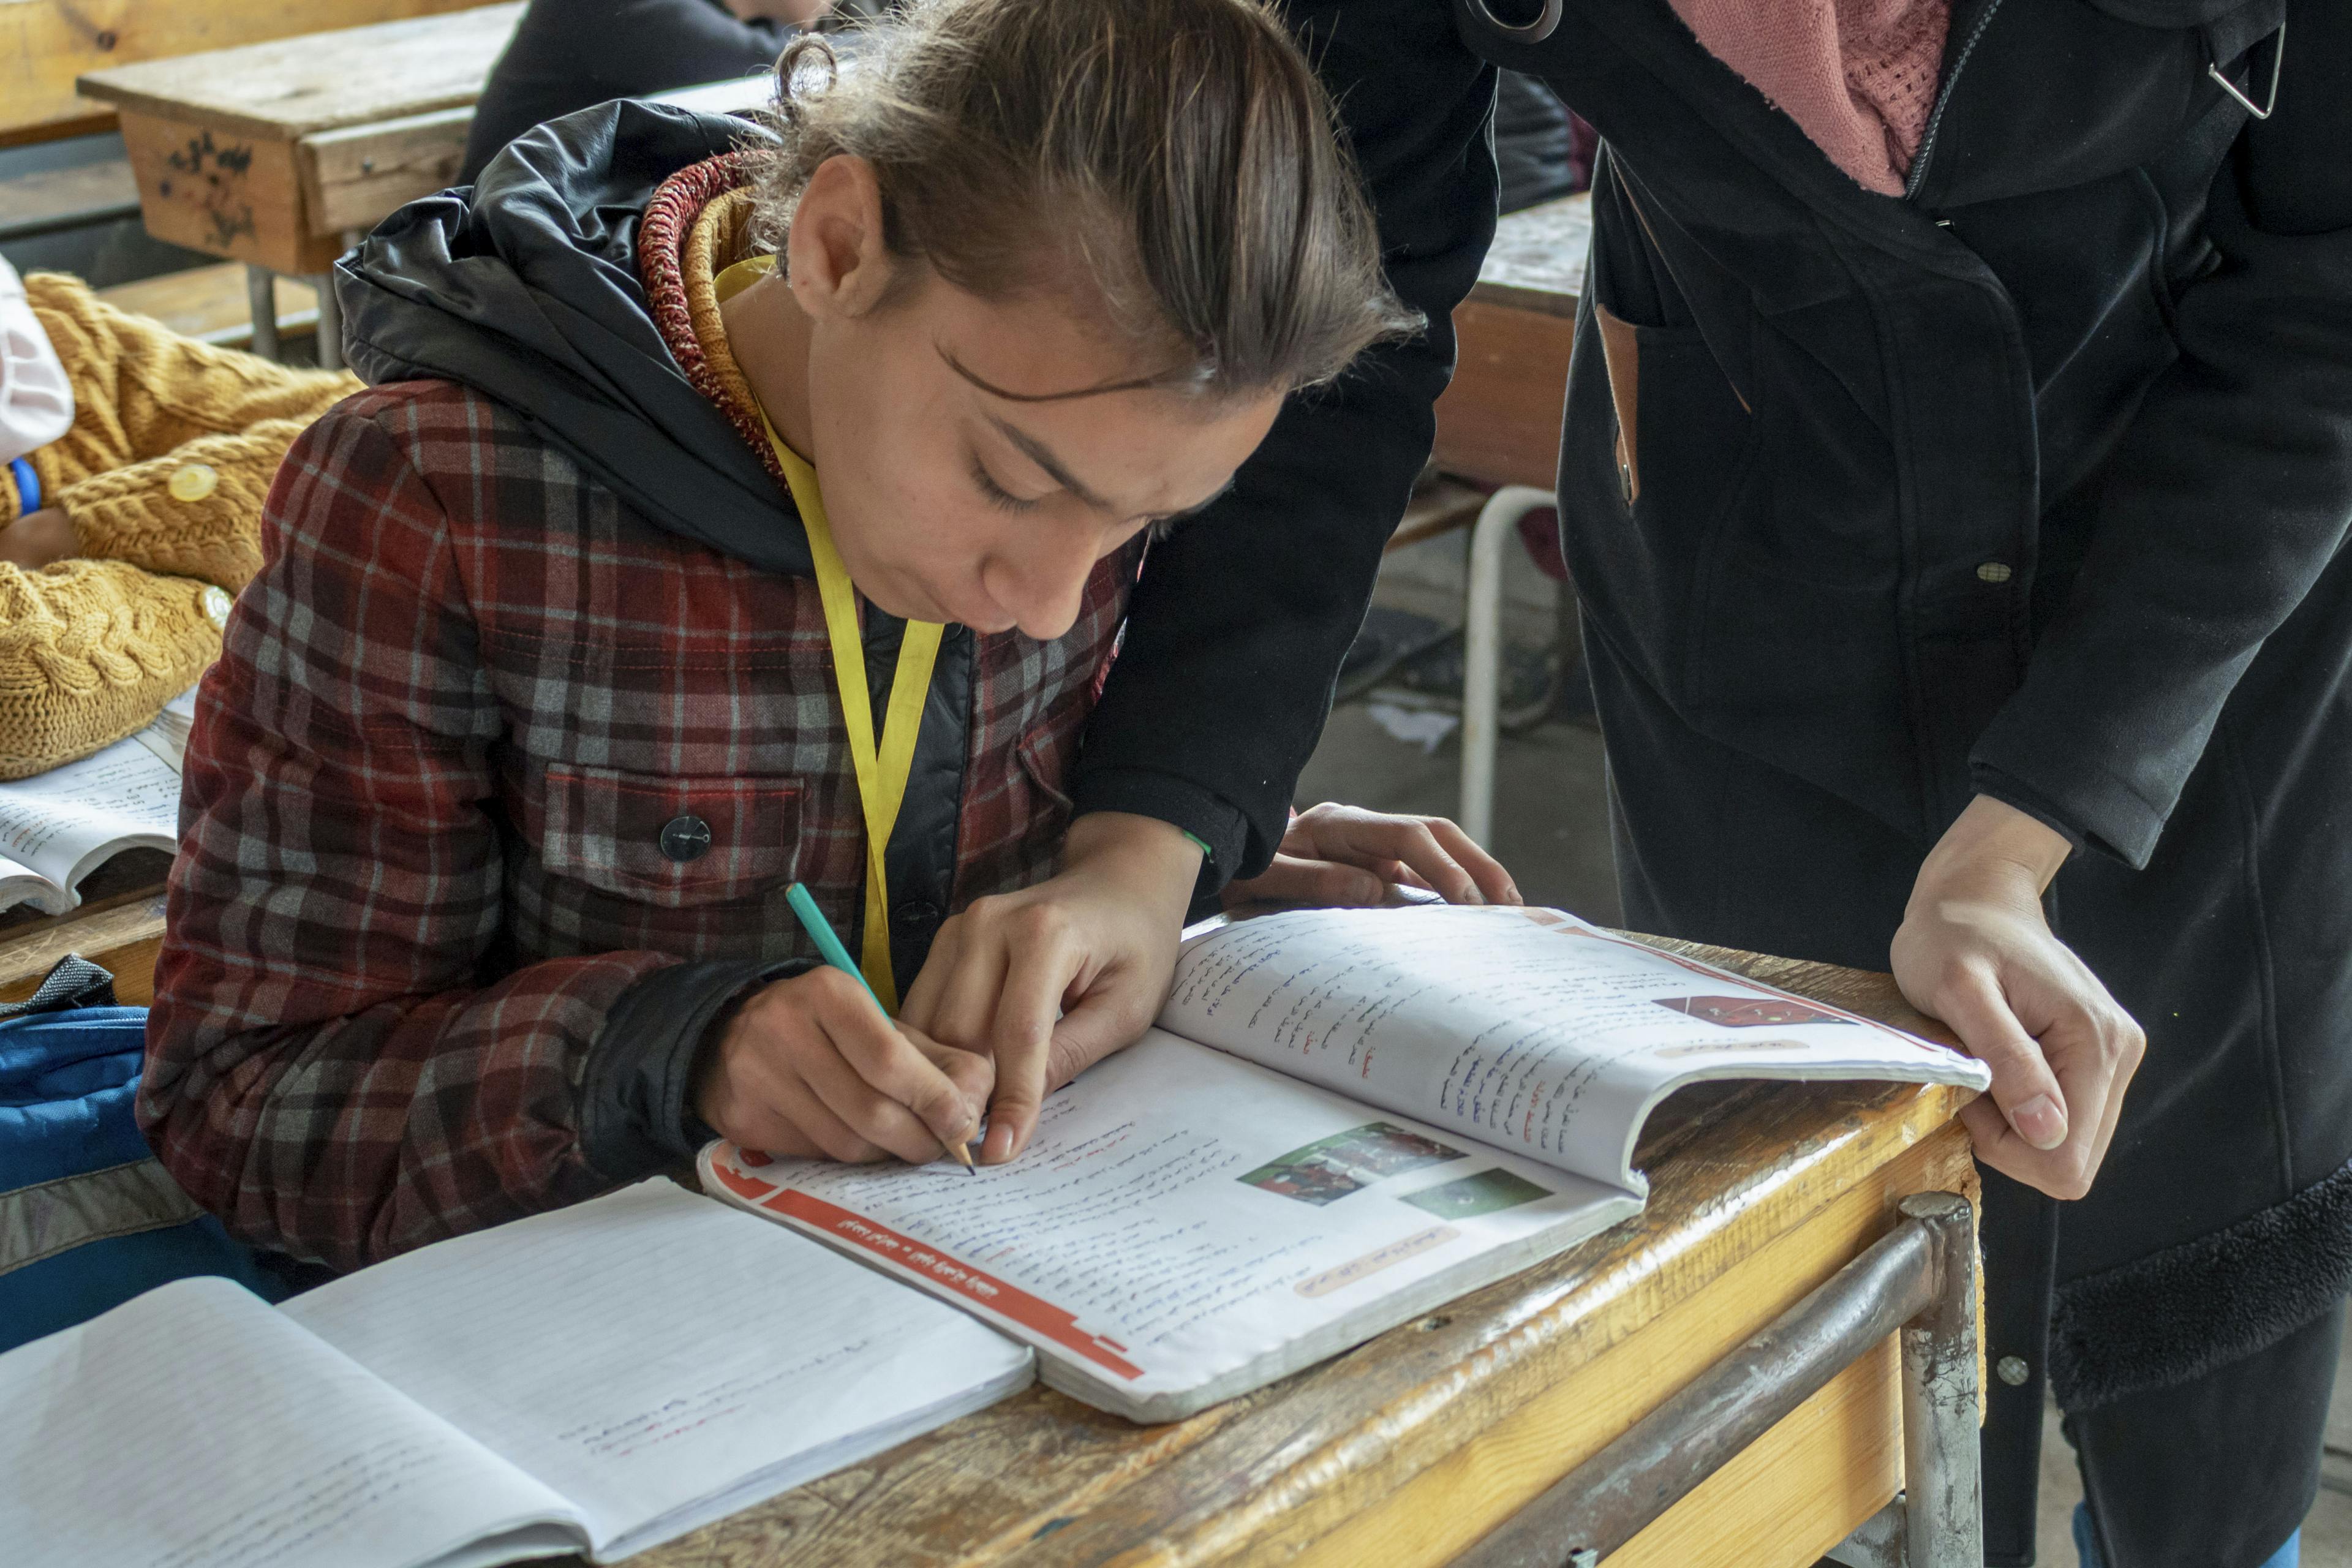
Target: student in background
(132,467)
(538,708)
(567,55)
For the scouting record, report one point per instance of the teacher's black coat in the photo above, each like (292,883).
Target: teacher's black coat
(2032,482)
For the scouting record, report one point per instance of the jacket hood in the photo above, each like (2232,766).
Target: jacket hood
(525,286)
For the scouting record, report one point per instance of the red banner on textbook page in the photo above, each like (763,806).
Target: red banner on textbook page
(1042,1317)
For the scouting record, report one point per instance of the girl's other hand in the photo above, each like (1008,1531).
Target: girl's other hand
(810,1068)
(1051,979)
(1344,854)
(1974,951)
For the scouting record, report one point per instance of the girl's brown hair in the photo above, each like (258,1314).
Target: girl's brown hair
(1179,155)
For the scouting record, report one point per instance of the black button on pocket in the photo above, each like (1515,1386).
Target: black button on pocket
(684,838)
(914,915)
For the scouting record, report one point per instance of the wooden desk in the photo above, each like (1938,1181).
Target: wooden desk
(281,154)
(1499,421)
(270,153)
(1410,1448)
(46,44)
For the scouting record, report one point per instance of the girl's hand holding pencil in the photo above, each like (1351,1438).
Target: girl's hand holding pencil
(811,1068)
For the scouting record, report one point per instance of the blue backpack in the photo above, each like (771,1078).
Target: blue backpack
(88,1217)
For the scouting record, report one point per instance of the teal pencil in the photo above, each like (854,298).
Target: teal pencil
(821,932)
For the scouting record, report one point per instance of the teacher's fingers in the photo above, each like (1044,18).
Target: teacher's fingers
(2031,1103)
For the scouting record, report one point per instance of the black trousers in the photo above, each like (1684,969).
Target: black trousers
(2156,1464)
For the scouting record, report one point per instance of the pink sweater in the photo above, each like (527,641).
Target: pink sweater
(1858,75)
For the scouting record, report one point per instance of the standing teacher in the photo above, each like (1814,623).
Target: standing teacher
(1957,471)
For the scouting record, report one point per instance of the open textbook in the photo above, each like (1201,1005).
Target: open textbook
(595,1380)
(57,826)
(1344,1118)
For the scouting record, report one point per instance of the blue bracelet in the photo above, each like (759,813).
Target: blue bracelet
(28,486)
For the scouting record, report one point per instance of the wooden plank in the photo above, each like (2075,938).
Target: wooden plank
(1438,507)
(354,174)
(1499,421)
(57,198)
(1799,1490)
(353,177)
(122,934)
(45,44)
(292,88)
(224,192)
(210,303)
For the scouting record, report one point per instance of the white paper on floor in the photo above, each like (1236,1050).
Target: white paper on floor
(1424,727)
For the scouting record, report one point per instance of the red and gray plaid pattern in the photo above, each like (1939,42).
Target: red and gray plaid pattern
(422,812)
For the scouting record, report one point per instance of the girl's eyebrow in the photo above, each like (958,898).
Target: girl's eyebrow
(1042,455)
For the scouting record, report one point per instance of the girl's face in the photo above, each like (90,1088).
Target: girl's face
(950,500)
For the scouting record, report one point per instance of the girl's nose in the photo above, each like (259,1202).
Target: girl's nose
(1048,588)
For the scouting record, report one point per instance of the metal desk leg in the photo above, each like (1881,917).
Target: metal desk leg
(330,323)
(1482,652)
(261,300)
(1920,1277)
(1943,1507)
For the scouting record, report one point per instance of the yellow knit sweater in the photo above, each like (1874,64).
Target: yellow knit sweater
(172,452)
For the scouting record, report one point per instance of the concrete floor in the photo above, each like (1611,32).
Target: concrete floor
(1551,829)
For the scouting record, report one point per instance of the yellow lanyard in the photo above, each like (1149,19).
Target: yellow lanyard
(881,772)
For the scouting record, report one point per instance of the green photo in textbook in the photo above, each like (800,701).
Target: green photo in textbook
(1330,1168)
(1489,1192)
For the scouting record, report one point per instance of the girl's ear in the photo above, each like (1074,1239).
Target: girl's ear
(835,254)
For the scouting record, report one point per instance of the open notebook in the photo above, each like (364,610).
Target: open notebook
(595,1380)
(1344,1118)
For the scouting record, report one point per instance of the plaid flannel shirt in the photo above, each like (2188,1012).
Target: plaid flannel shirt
(422,863)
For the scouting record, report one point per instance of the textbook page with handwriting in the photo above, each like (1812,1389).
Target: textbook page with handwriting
(595,1380)
(1344,1118)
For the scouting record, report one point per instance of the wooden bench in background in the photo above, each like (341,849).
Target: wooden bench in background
(46,46)
(214,304)
(278,155)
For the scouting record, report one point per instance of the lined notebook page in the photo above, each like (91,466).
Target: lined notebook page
(195,1427)
(653,1349)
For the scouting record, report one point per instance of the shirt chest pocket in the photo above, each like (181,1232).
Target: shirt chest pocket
(668,840)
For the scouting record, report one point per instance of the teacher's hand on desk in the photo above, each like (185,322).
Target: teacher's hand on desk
(809,1068)
(1975,951)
